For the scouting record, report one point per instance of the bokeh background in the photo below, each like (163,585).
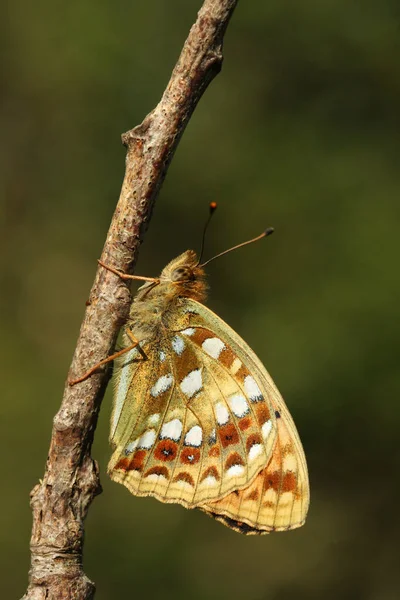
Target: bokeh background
(300,131)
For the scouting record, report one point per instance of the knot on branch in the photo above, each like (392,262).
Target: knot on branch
(138,134)
(65,585)
(87,485)
(214,59)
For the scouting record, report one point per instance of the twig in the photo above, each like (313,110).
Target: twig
(61,500)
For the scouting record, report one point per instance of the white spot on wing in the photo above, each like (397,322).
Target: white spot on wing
(235,366)
(266,428)
(153,419)
(172,430)
(147,439)
(162,355)
(290,463)
(270,495)
(239,406)
(213,437)
(183,484)
(178,344)
(192,383)
(190,311)
(213,346)
(131,446)
(255,451)
(189,331)
(162,385)
(194,436)
(235,471)
(209,481)
(252,389)
(155,477)
(222,413)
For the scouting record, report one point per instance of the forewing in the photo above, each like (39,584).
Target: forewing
(278,499)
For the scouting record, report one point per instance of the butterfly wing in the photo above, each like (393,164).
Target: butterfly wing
(200,422)
(278,498)
(194,421)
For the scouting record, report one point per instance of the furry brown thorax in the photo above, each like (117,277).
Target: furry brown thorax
(181,278)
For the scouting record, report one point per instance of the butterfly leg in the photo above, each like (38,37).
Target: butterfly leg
(126,276)
(86,375)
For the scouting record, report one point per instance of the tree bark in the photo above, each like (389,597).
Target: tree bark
(61,500)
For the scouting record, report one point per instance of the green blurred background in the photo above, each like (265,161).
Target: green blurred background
(300,131)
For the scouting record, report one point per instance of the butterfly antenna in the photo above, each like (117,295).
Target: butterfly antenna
(212,209)
(259,237)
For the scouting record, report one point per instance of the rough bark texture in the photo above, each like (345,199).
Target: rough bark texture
(61,500)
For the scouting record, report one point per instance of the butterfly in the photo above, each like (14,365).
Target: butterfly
(197,419)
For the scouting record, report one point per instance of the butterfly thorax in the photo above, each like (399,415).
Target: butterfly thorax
(154,304)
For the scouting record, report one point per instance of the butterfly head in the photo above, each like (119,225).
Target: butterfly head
(185,276)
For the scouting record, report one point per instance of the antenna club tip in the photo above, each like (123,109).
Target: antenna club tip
(268,231)
(213,206)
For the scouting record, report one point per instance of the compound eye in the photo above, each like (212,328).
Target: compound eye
(182,274)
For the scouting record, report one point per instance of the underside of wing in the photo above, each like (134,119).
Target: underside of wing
(277,500)
(200,422)
(194,425)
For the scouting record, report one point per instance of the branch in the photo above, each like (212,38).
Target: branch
(61,500)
